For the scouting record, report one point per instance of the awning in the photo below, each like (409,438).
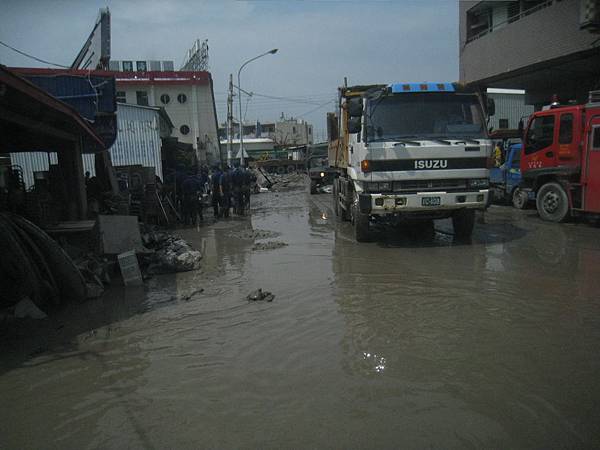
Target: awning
(33,120)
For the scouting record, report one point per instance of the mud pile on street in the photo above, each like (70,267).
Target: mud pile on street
(287,182)
(260,237)
(250,235)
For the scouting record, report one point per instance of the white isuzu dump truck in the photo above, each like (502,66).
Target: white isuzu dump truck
(409,152)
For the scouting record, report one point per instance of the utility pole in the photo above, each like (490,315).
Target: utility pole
(230,119)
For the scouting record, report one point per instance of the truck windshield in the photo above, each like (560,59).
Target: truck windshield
(425,115)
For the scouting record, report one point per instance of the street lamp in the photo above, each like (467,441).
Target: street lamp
(239,86)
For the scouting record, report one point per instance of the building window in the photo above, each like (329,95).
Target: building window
(478,23)
(127,66)
(181,98)
(121,97)
(503,123)
(293,130)
(141,66)
(141,98)
(565,130)
(309,130)
(184,129)
(165,99)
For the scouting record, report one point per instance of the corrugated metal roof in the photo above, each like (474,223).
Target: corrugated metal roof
(138,142)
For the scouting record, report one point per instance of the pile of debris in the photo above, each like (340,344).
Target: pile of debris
(169,253)
(287,182)
(34,269)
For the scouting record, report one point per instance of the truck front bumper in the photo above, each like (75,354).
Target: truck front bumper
(381,204)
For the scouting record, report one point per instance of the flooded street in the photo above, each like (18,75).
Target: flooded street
(406,342)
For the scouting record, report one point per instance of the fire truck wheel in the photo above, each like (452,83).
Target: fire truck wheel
(552,202)
(519,198)
(463,222)
(313,187)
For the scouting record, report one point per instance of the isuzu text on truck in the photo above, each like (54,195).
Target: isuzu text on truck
(409,152)
(561,160)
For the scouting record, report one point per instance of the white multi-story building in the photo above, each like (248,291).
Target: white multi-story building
(187,97)
(285,132)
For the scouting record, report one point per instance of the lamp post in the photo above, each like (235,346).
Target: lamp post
(239,86)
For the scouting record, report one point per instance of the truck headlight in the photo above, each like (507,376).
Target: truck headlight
(322,174)
(479,183)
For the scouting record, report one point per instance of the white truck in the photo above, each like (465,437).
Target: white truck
(410,152)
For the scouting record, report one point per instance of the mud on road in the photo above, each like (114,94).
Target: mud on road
(402,342)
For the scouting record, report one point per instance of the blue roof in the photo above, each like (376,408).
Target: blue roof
(401,88)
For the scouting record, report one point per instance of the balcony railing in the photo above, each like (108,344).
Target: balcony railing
(511,19)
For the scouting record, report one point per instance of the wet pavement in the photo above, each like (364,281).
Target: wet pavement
(411,341)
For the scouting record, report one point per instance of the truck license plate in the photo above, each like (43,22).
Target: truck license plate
(431,201)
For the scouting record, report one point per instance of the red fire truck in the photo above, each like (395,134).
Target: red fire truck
(561,159)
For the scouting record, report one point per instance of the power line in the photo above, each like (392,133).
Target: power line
(316,109)
(33,57)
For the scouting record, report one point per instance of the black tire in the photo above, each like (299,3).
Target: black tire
(490,199)
(463,222)
(313,187)
(360,224)
(552,202)
(519,198)
(336,203)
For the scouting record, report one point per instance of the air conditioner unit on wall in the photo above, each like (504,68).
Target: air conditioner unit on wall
(589,15)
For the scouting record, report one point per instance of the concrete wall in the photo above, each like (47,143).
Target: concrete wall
(293,132)
(546,34)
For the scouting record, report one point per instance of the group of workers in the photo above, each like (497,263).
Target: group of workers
(228,188)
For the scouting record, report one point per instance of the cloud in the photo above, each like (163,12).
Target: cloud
(320,42)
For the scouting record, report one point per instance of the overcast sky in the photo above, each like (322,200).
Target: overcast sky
(319,43)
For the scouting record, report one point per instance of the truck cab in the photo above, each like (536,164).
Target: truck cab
(561,159)
(411,151)
(505,181)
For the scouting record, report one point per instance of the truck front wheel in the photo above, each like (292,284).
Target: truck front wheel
(552,202)
(360,222)
(463,222)
(313,186)
(519,198)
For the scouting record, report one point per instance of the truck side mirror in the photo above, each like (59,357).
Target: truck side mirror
(521,128)
(354,125)
(491,107)
(355,107)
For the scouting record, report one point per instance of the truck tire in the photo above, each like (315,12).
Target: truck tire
(340,212)
(519,198)
(313,187)
(336,202)
(552,202)
(360,223)
(463,222)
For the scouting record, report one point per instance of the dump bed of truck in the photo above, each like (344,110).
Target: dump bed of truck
(337,130)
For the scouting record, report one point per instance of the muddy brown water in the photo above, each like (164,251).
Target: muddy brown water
(406,342)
